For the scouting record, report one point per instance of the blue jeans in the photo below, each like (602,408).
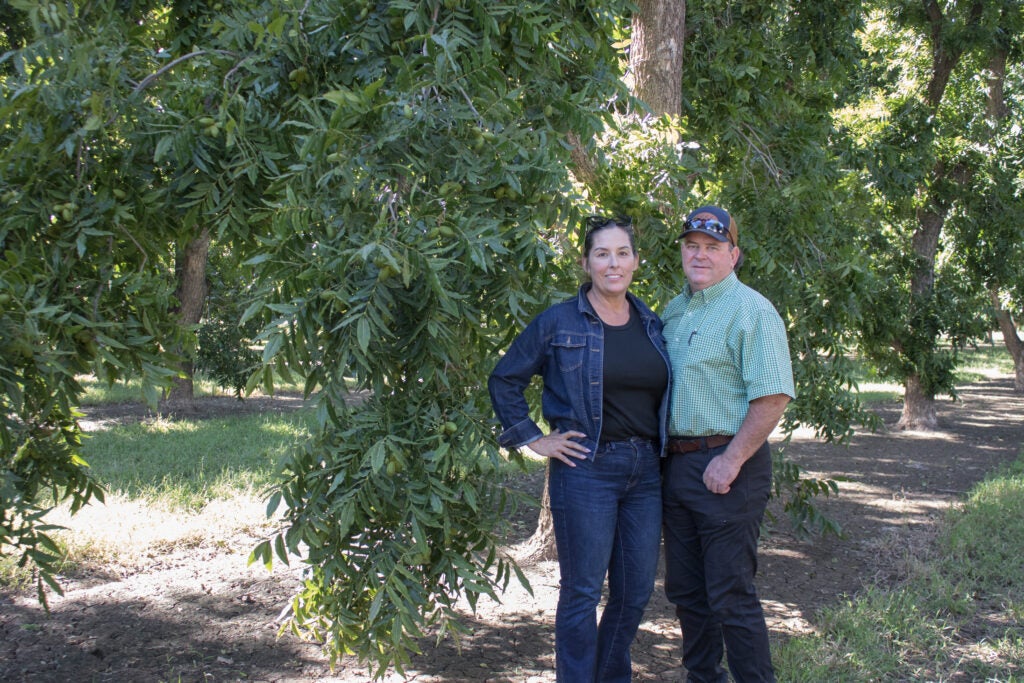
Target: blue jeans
(710,563)
(607,518)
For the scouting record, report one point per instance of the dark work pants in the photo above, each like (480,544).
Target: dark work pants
(710,563)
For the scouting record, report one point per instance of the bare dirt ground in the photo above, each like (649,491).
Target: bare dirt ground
(188,608)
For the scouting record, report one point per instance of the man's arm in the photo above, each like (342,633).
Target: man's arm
(761,419)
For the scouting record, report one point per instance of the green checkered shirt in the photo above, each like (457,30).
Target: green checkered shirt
(728,347)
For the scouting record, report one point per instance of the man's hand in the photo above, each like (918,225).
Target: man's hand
(763,415)
(560,446)
(721,472)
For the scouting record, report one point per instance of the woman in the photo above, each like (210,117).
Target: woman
(606,376)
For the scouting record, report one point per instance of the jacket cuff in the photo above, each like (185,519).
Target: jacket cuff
(520,434)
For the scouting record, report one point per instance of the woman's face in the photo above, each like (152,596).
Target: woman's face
(611,262)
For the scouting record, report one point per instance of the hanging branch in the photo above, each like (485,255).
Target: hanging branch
(144,83)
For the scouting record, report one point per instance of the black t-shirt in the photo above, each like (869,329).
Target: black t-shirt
(635,377)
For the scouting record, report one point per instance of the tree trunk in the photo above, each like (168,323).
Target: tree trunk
(918,404)
(995,101)
(191,294)
(656,54)
(918,407)
(583,165)
(541,546)
(1011,338)
(997,111)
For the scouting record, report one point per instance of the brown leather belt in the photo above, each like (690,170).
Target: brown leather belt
(689,444)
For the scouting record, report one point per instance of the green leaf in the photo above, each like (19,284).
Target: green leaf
(273,502)
(260,553)
(363,334)
(279,548)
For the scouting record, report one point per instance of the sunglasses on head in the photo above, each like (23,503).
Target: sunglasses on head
(601,222)
(707,225)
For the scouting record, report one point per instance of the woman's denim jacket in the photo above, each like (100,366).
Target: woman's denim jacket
(565,346)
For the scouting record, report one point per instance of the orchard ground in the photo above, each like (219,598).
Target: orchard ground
(174,599)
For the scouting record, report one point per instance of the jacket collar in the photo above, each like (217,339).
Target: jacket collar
(585,307)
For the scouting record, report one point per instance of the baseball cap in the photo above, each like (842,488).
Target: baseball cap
(714,221)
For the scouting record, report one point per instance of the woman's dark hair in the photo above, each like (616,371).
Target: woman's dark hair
(595,224)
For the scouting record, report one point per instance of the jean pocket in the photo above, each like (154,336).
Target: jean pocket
(569,350)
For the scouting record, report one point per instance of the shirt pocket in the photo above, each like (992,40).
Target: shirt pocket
(569,350)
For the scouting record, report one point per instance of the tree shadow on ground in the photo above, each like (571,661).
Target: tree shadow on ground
(133,640)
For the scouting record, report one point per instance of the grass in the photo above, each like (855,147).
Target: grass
(957,617)
(170,484)
(984,362)
(978,363)
(98,392)
(184,464)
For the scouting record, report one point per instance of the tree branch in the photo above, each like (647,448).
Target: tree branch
(144,83)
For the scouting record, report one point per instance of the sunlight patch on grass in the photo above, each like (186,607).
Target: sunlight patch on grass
(124,534)
(162,425)
(873,393)
(11,575)
(188,464)
(985,362)
(97,392)
(980,363)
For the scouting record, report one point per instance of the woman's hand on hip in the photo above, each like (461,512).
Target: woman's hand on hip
(560,446)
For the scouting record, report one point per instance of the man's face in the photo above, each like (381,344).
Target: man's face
(706,261)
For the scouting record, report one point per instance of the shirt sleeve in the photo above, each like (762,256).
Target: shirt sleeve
(767,366)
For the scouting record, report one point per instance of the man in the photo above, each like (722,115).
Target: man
(731,380)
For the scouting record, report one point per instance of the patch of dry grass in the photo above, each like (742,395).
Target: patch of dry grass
(124,535)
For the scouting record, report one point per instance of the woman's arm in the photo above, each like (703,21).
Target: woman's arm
(507,385)
(526,357)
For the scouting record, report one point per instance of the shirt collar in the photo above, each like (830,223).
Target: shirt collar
(714,291)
